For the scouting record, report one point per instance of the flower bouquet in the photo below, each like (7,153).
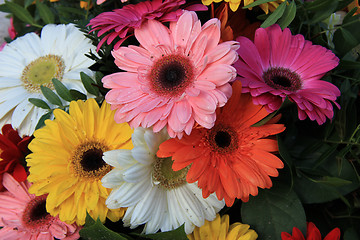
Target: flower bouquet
(174,119)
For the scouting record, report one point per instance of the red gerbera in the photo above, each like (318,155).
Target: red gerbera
(312,233)
(234,157)
(122,22)
(13,149)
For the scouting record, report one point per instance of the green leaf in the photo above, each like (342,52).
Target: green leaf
(177,234)
(63,9)
(60,88)
(39,103)
(98,77)
(45,13)
(97,231)
(351,234)
(350,39)
(288,15)
(50,96)
(76,95)
(322,9)
(274,16)
(4,8)
(256,3)
(28,3)
(41,121)
(88,84)
(334,181)
(344,64)
(20,12)
(274,211)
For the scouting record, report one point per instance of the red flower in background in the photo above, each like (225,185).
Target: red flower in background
(13,149)
(312,233)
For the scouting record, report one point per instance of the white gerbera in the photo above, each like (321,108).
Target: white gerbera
(153,193)
(31,61)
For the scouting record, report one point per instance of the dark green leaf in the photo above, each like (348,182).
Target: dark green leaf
(63,92)
(20,12)
(4,8)
(351,234)
(256,3)
(98,77)
(177,234)
(274,211)
(88,84)
(333,181)
(350,39)
(97,231)
(344,64)
(63,9)
(28,3)
(321,9)
(39,103)
(50,96)
(45,13)
(288,15)
(274,16)
(41,121)
(76,95)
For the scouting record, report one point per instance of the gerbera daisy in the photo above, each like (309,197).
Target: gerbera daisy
(23,215)
(67,164)
(219,229)
(279,64)
(31,61)
(312,233)
(13,149)
(234,4)
(122,22)
(233,158)
(176,78)
(152,192)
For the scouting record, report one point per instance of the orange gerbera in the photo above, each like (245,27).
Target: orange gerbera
(234,157)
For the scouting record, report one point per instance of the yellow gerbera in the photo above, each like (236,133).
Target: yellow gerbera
(234,4)
(66,161)
(219,229)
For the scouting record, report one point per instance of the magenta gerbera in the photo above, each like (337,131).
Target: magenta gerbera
(279,64)
(24,216)
(177,77)
(122,22)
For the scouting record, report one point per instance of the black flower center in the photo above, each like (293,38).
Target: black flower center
(171,75)
(35,215)
(282,78)
(92,160)
(38,211)
(87,162)
(223,139)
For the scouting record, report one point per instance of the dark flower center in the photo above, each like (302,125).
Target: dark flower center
(92,159)
(39,211)
(223,139)
(282,78)
(171,75)
(87,161)
(35,215)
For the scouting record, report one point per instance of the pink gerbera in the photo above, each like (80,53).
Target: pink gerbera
(24,216)
(279,64)
(177,77)
(122,22)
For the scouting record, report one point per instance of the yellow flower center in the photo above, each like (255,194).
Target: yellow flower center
(166,176)
(87,162)
(41,71)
